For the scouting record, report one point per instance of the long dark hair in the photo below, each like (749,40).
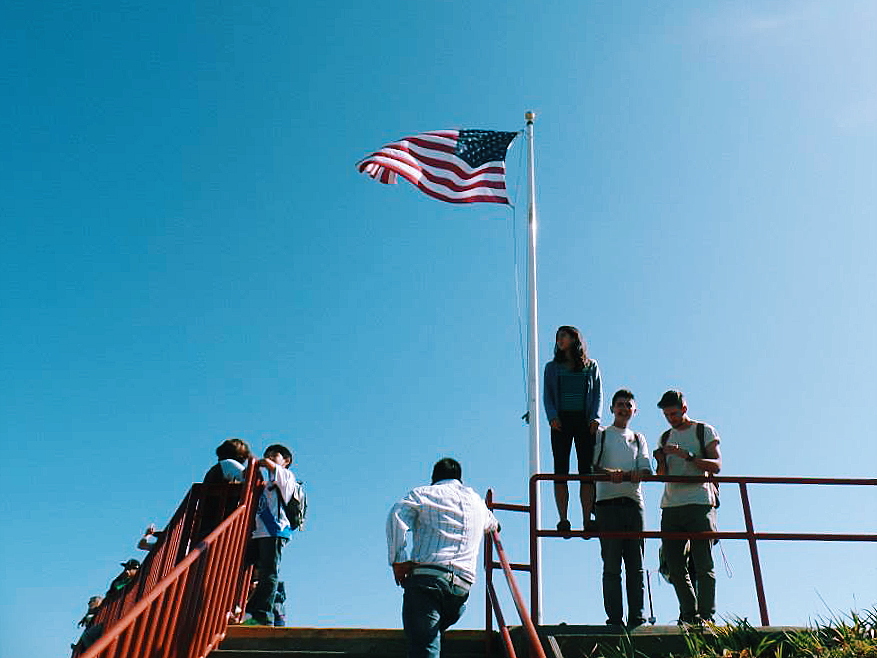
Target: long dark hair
(577,358)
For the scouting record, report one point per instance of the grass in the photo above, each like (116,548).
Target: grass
(854,636)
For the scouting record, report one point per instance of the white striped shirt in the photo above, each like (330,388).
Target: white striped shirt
(447,521)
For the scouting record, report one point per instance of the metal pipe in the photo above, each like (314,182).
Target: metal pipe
(488,578)
(503,628)
(753,551)
(535,584)
(529,627)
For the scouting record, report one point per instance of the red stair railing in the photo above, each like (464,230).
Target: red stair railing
(492,543)
(179,604)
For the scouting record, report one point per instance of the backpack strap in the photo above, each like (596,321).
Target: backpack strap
(603,444)
(664,438)
(636,437)
(699,431)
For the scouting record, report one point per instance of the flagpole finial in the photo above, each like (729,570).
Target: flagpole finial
(529,116)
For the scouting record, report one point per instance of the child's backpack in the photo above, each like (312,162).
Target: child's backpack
(296,507)
(699,432)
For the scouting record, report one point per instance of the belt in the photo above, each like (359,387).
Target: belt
(439,572)
(621,501)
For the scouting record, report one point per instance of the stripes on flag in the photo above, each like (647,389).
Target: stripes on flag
(457,166)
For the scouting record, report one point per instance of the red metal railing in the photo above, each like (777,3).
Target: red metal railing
(749,534)
(493,606)
(178,606)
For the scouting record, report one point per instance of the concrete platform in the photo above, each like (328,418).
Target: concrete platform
(652,641)
(559,641)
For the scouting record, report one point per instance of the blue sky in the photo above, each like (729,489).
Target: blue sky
(189,254)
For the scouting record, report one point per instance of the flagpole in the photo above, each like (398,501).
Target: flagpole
(533,351)
(533,334)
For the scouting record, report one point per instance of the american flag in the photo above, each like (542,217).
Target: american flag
(458,166)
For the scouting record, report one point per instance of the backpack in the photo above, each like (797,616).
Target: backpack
(699,431)
(296,507)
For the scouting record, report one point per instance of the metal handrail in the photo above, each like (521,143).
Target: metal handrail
(180,602)
(749,534)
(493,607)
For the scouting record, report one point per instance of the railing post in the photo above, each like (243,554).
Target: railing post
(753,551)
(488,577)
(536,650)
(535,611)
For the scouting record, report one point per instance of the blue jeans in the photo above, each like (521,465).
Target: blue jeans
(431,605)
(261,603)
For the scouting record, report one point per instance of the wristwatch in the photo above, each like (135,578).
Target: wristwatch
(690,457)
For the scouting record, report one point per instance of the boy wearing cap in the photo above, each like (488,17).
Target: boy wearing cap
(272,531)
(689,448)
(121,582)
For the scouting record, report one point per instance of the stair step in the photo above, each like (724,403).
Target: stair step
(291,653)
(310,653)
(278,653)
(268,642)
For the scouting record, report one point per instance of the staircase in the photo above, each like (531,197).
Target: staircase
(194,579)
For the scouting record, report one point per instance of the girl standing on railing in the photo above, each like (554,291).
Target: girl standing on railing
(573,397)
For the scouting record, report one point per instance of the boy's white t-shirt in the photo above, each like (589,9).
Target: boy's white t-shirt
(281,481)
(620,449)
(677,494)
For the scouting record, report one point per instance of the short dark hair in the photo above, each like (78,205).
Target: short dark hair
(447,469)
(672,399)
(622,394)
(233,449)
(285,452)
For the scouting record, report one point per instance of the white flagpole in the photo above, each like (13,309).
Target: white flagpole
(533,352)
(533,333)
